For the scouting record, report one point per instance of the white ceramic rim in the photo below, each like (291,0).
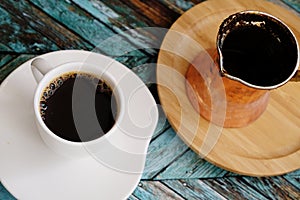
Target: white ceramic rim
(78,67)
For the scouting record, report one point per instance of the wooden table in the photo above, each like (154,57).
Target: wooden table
(173,171)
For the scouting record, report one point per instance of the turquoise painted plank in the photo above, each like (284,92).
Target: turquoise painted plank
(127,15)
(146,72)
(118,23)
(4,48)
(4,194)
(158,14)
(75,19)
(5,58)
(287,190)
(190,165)
(105,40)
(163,123)
(179,6)
(12,65)
(45,25)
(18,36)
(88,27)
(274,187)
(294,173)
(193,189)
(294,180)
(132,197)
(162,152)
(293,3)
(234,188)
(155,190)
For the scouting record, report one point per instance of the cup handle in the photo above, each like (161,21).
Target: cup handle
(39,68)
(296,77)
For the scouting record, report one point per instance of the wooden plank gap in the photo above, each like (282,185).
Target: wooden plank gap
(172,189)
(294,180)
(193,189)
(155,190)
(170,163)
(69,38)
(161,152)
(234,188)
(103,13)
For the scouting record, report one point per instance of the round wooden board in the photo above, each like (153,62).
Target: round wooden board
(270,145)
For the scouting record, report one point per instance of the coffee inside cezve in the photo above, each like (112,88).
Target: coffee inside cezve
(92,104)
(260,55)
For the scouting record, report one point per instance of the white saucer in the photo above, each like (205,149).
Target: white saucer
(29,170)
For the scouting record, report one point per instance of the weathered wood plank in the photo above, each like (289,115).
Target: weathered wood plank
(294,173)
(6,69)
(86,26)
(129,16)
(4,194)
(286,6)
(190,165)
(159,14)
(17,35)
(293,3)
(179,6)
(274,187)
(119,24)
(132,197)
(45,25)
(193,189)
(161,152)
(294,180)
(4,48)
(234,188)
(105,40)
(75,19)
(163,123)
(155,190)
(5,58)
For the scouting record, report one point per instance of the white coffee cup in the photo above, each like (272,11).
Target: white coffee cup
(135,121)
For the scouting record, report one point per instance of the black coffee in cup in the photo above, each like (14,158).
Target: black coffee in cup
(258,49)
(78,107)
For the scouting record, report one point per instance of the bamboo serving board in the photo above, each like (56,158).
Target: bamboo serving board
(270,145)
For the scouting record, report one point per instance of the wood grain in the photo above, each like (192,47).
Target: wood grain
(191,176)
(158,14)
(161,152)
(246,150)
(194,189)
(235,188)
(294,180)
(155,190)
(92,30)
(19,36)
(274,188)
(46,26)
(118,24)
(5,58)
(190,166)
